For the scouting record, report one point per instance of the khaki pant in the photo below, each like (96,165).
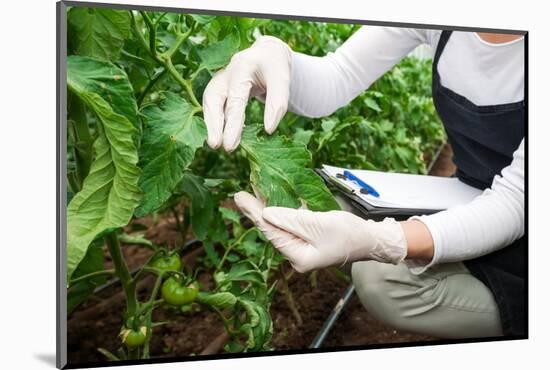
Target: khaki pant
(446,301)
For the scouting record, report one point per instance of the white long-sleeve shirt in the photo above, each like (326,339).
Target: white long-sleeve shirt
(485,73)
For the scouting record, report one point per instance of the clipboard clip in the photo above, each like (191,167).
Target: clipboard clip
(365,188)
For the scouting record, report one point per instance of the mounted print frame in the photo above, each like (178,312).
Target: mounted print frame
(157,263)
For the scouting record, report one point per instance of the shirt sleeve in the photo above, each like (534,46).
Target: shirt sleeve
(492,221)
(320,85)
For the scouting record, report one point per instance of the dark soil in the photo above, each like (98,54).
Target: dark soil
(97,322)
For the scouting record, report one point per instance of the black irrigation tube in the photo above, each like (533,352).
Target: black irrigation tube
(344,300)
(331,320)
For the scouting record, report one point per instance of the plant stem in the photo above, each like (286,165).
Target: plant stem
(226,322)
(83,140)
(157,21)
(141,38)
(313,279)
(182,37)
(152,34)
(145,266)
(128,284)
(159,273)
(150,84)
(340,274)
(155,290)
(233,245)
(149,316)
(121,270)
(92,275)
(186,224)
(148,324)
(290,298)
(183,228)
(107,354)
(185,84)
(73,183)
(166,58)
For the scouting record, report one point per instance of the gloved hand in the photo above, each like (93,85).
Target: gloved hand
(262,71)
(312,240)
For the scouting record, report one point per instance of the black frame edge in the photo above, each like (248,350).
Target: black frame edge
(286,17)
(61,194)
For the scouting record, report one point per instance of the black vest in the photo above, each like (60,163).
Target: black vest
(484,139)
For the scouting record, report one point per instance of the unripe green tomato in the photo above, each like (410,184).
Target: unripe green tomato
(167,263)
(176,294)
(134,338)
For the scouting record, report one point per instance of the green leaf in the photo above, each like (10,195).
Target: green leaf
(109,194)
(217,55)
(372,104)
(203,19)
(235,218)
(259,326)
(302,136)
(233,347)
(138,239)
(386,126)
(328,132)
(279,169)
(211,253)
(332,130)
(217,230)
(202,204)
(250,246)
(329,124)
(231,215)
(200,81)
(245,271)
(106,80)
(222,185)
(92,262)
(219,300)
(232,257)
(241,271)
(98,33)
(171,136)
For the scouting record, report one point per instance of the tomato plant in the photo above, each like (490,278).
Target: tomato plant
(136,148)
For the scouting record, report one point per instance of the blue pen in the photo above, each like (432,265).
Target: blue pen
(361,183)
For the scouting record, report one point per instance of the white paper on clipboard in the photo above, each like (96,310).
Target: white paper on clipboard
(399,190)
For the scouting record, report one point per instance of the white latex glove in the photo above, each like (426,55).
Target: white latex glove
(262,71)
(313,240)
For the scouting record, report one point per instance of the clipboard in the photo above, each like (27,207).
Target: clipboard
(369,210)
(398,195)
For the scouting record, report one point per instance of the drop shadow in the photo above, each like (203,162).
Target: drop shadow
(46,358)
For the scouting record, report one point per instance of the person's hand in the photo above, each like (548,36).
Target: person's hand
(262,71)
(312,240)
